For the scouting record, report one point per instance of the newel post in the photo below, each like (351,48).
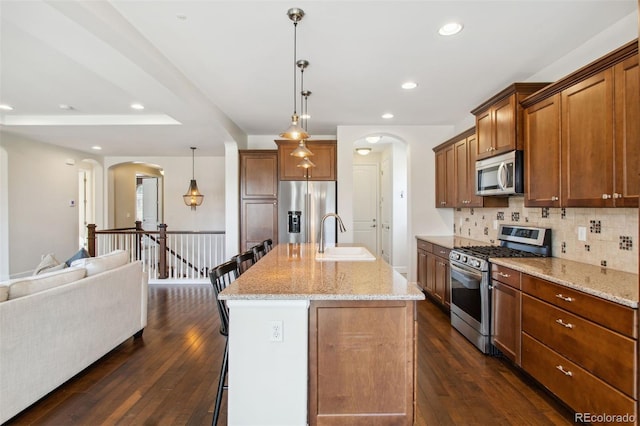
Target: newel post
(91,239)
(138,239)
(162,251)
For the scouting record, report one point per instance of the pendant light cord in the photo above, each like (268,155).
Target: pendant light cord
(295,60)
(193,163)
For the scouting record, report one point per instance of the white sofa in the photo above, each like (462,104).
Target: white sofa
(51,329)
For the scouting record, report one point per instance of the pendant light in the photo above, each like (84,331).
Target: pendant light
(306,163)
(193,198)
(295,131)
(301,150)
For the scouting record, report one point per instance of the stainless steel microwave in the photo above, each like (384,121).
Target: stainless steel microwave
(500,175)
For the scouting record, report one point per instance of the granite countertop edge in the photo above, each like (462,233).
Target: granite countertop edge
(513,263)
(352,297)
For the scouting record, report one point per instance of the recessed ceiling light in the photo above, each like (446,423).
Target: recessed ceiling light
(137,106)
(372,139)
(66,107)
(450,29)
(6,107)
(96,148)
(387,115)
(409,85)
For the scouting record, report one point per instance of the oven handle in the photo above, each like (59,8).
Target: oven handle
(462,276)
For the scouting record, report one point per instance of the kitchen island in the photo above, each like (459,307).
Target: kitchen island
(322,343)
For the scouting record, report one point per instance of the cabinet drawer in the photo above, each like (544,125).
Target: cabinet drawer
(611,315)
(505,275)
(441,251)
(604,353)
(579,389)
(423,245)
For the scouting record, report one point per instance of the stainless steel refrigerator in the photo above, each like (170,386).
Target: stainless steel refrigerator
(301,205)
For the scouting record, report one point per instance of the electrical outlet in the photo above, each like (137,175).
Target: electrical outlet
(275,331)
(582,233)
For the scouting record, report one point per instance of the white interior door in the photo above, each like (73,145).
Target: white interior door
(365,206)
(386,206)
(149,203)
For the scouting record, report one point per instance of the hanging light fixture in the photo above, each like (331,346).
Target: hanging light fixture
(306,163)
(301,150)
(193,197)
(295,131)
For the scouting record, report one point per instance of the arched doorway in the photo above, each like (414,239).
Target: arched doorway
(380,211)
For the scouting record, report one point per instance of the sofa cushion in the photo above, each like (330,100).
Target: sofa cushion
(4,291)
(95,265)
(24,286)
(80,254)
(48,263)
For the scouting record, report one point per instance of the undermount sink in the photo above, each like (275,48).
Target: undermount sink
(345,254)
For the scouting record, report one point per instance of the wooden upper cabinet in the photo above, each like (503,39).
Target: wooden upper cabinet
(627,132)
(598,130)
(259,174)
(587,142)
(445,180)
(455,174)
(324,158)
(542,153)
(499,120)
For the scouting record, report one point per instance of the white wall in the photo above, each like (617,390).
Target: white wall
(424,218)
(4,215)
(210,175)
(39,180)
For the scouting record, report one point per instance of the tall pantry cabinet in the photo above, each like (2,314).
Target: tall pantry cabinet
(258,197)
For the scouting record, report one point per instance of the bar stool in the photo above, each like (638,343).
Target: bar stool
(268,245)
(258,251)
(244,260)
(221,276)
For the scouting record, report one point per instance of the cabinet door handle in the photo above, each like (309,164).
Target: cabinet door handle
(565,298)
(503,275)
(606,196)
(554,198)
(616,195)
(564,324)
(443,252)
(565,372)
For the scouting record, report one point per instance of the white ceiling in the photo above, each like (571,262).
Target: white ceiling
(224,69)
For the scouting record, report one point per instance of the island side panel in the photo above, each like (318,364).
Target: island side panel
(268,379)
(361,362)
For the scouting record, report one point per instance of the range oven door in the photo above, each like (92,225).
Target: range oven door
(470,297)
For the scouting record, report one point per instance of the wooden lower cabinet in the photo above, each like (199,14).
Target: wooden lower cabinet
(580,347)
(433,272)
(575,386)
(506,310)
(362,362)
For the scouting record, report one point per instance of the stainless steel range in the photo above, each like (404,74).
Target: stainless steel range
(470,278)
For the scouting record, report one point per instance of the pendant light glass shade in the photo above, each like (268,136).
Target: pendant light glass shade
(193,198)
(295,131)
(301,150)
(306,163)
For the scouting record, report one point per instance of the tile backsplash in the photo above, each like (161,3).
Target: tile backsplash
(611,234)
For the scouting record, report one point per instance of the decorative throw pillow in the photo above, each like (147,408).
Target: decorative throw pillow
(48,263)
(24,286)
(80,254)
(95,265)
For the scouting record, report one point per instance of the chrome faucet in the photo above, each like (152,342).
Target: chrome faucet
(321,239)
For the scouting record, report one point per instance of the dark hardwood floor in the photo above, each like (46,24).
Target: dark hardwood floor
(169,376)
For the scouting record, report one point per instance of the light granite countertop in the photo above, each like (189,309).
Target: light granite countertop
(290,272)
(616,286)
(451,241)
